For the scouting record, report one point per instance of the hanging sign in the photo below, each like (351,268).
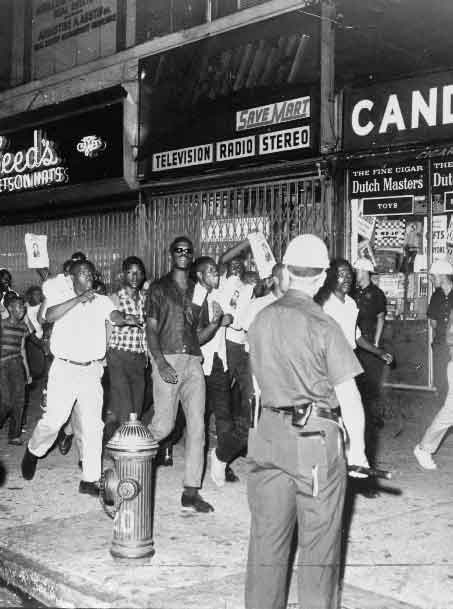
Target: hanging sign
(82,148)
(36,248)
(388,206)
(400,112)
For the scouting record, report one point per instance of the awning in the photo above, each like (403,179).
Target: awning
(76,105)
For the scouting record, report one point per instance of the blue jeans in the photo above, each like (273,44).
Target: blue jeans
(190,391)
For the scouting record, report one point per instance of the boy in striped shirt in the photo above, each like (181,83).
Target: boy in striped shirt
(14,372)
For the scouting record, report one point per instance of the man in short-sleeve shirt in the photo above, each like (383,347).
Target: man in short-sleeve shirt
(173,330)
(78,344)
(300,356)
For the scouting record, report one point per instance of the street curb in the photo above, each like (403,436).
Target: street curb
(54,590)
(48,586)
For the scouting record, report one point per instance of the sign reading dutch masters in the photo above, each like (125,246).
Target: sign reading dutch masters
(74,150)
(235,100)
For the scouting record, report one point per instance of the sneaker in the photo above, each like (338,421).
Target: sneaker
(28,465)
(195,503)
(424,458)
(89,488)
(217,471)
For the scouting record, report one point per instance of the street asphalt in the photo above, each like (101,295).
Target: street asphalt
(55,543)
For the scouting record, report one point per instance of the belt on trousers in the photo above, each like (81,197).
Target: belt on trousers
(70,361)
(333,414)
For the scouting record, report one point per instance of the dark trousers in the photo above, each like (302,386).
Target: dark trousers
(369,385)
(301,481)
(126,371)
(231,438)
(12,398)
(240,372)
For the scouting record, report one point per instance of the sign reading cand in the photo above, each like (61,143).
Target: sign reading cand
(417,110)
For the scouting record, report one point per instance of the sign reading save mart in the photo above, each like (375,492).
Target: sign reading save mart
(270,142)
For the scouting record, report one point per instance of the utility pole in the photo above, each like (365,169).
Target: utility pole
(328,135)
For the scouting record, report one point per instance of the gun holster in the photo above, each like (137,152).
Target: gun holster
(301,414)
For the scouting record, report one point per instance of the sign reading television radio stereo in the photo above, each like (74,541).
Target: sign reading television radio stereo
(270,142)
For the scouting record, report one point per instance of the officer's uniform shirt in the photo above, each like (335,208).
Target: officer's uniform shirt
(439,309)
(299,353)
(371,301)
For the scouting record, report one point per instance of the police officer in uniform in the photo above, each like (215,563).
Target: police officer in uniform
(305,369)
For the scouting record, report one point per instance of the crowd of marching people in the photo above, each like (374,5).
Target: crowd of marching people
(287,366)
(174,350)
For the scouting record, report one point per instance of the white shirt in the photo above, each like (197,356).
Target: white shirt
(345,314)
(80,335)
(254,307)
(236,295)
(217,343)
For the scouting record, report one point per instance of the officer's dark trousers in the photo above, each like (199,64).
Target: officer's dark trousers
(294,480)
(231,437)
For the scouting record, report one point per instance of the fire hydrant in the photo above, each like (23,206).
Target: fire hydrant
(126,489)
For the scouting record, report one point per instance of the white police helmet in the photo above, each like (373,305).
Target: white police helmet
(307,251)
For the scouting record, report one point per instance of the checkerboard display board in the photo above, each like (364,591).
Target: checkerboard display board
(389,233)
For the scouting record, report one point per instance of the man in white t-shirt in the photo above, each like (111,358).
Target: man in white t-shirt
(78,344)
(231,437)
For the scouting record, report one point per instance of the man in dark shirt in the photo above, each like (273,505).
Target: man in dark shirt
(173,329)
(300,357)
(440,305)
(372,306)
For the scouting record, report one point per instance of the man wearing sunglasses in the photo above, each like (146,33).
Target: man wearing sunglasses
(174,336)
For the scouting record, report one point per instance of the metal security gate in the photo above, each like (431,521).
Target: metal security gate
(219,218)
(105,238)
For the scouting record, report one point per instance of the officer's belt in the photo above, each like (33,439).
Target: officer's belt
(333,414)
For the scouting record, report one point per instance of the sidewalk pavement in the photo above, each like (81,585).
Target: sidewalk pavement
(54,542)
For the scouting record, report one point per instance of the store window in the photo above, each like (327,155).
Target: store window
(392,227)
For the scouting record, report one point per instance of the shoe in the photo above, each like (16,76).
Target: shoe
(424,458)
(165,457)
(16,441)
(217,471)
(368,493)
(28,465)
(89,488)
(230,476)
(195,503)
(80,465)
(64,442)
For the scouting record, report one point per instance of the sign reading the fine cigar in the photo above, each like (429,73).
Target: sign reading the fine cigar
(394,179)
(400,112)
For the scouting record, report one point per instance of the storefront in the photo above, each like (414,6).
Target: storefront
(62,175)
(398,144)
(229,139)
